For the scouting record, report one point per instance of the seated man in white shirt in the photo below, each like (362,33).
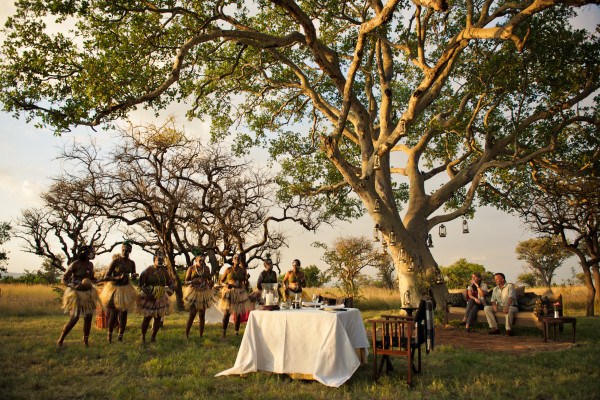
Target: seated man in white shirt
(505,299)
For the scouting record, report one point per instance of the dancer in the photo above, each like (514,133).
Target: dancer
(119,295)
(198,294)
(80,296)
(234,297)
(294,280)
(268,275)
(153,302)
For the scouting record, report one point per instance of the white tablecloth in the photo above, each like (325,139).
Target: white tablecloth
(307,341)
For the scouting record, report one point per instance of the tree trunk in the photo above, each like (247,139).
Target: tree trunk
(421,282)
(591,292)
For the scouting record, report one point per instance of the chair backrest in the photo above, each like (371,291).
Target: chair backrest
(420,316)
(348,302)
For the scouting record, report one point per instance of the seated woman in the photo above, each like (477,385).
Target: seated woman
(294,280)
(476,292)
(234,297)
(199,294)
(153,302)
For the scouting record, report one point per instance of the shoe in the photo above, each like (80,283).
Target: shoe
(462,323)
(494,331)
(509,333)
(468,329)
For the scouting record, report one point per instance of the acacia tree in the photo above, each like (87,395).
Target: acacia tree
(56,230)
(347,257)
(568,209)
(333,88)
(175,194)
(543,256)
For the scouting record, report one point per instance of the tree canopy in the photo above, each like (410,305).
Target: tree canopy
(405,103)
(543,256)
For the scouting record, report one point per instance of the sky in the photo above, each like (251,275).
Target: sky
(28,161)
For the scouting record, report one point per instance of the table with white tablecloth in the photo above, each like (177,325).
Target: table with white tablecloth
(306,343)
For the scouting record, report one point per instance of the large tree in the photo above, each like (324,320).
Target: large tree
(333,88)
(57,229)
(543,256)
(169,191)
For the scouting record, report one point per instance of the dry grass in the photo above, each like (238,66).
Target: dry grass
(21,299)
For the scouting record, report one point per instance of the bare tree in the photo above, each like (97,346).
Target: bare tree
(57,229)
(173,193)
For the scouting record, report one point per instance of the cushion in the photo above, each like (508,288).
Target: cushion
(527,301)
(456,300)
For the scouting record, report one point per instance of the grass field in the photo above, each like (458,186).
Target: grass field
(173,368)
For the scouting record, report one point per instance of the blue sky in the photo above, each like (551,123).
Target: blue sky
(28,160)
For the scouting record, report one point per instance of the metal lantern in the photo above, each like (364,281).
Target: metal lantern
(429,241)
(442,230)
(401,253)
(376,233)
(376,206)
(269,294)
(406,301)
(411,266)
(402,126)
(377,163)
(384,245)
(392,238)
(439,278)
(465,226)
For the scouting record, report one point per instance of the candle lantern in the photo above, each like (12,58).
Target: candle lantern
(376,233)
(376,208)
(392,238)
(465,226)
(429,241)
(402,126)
(377,163)
(384,245)
(407,302)
(439,278)
(411,265)
(270,295)
(442,230)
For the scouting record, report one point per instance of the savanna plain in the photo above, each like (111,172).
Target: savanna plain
(31,366)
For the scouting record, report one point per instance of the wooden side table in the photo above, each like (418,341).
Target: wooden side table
(554,322)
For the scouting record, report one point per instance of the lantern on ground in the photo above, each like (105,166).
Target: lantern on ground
(442,230)
(465,226)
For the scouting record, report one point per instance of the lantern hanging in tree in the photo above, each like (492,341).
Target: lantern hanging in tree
(377,163)
(439,278)
(411,266)
(465,226)
(429,241)
(392,238)
(442,230)
(376,233)
(376,209)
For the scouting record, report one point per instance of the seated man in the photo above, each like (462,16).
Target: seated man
(504,298)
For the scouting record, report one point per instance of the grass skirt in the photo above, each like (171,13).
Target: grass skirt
(202,299)
(154,307)
(80,301)
(121,297)
(235,300)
